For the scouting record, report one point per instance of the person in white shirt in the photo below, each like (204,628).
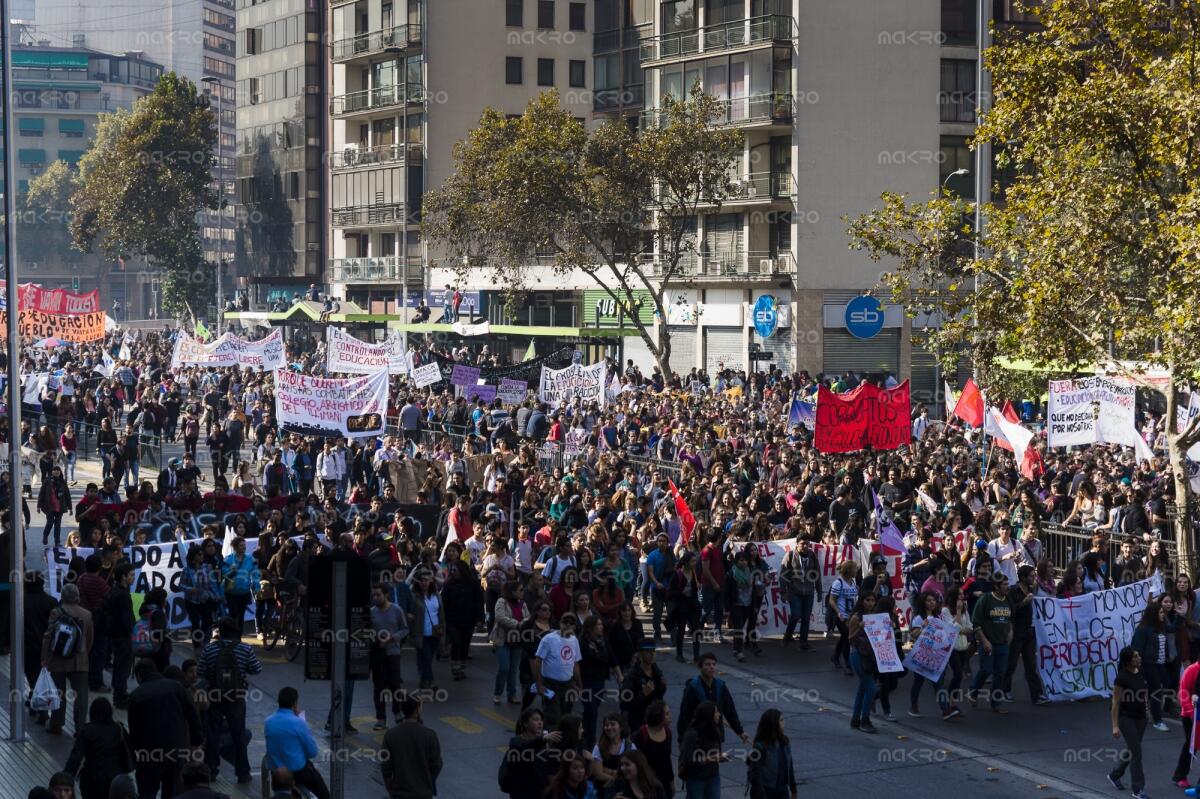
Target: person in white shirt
(556,669)
(327,470)
(1005,551)
(920,425)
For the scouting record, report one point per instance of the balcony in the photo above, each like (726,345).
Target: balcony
(353,157)
(752,189)
(740,34)
(374,215)
(402,37)
(631,98)
(729,267)
(377,98)
(756,110)
(386,268)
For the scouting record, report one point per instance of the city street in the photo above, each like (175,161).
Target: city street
(1059,750)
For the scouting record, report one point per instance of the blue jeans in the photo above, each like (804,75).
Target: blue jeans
(72,457)
(131,472)
(993,666)
(425,658)
(799,611)
(703,788)
(865,695)
(508,672)
(710,604)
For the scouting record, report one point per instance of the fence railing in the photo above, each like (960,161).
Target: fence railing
(1062,544)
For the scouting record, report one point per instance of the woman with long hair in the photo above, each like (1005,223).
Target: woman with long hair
(929,607)
(595,668)
(862,661)
(101,751)
(509,613)
(522,774)
(653,740)
(683,605)
(700,755)
(612,744)
(635,779)
(1130,690)
(462,600)
(843,598)
(771,772)
(1150,639)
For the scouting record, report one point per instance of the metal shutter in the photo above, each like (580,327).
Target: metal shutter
(845,353)
(723,345)
(683,349)
(782,349)
(926,381)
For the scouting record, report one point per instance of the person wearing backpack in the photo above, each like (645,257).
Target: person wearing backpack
(224,666)
(150,638)
(118,626)
(708,687)
(65,650)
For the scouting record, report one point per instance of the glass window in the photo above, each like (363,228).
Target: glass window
(514,13)
(957,96)
(546,14)
(578,16)
(958,21)
(545,71)
(512,70)
(606,72)
(607,15)
(578,70)
(678,15)
(956,155)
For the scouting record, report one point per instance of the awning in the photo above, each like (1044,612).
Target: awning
(31,124)
(71,126)
(70,156)
(31,156)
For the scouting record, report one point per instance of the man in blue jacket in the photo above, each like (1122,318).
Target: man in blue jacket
(290,743)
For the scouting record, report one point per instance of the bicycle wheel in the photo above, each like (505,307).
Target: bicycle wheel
(294,634)
(271,626)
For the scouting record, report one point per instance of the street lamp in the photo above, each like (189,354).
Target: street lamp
(958,173)
(213,81)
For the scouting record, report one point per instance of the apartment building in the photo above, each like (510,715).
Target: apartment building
(58,95)
(193,38)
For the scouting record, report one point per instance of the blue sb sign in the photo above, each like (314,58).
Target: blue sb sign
(864,317)
(766,317)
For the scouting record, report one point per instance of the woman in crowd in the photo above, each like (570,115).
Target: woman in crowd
(1152,643)
(595,669)
(771,772)
(862,661)
(635,780)
(843,598)
(653,741)
(510,613)
(101,751)
(700,754)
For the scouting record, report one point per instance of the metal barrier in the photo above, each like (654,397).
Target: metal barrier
(672,469)
(87,446)
(1062,544)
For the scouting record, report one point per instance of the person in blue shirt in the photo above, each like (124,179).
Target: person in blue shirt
(660,564)
(290,744)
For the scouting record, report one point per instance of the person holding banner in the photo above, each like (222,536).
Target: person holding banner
(929,607)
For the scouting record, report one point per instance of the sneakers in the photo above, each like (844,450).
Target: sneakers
(1008,697)
(854,724)
(868,728)
(1000,711)
(891,717)
(1160,726)
(952,713)
(380,725)
(1116,783)
(1041,700)
(1140,795)
(1183,784)
(916,714)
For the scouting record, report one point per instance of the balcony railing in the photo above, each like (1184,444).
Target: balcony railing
(354,157)
(364,44)
(774,108)
(729,266)
(379,97)
(369,215)
(376,269)
(715,38)
(606,99)
(752,187)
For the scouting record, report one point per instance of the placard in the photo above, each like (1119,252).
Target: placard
(464,375)
(560,386)
(1090,410)
(879,631)
(426,375)
(346,354)
(482,391)
(512,392)
(320,406)
(78,328)
(931,651)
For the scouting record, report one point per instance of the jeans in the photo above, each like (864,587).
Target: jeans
(1132,731)
(53,522)
(234,714)
(864,697)
(799,612)
(122,649)
(70,470)
(131,471)
(948,690)
(425,655)
(78,696)
(387,684)
(311,779)
(1184,764)
(703,788)
(237,604)
(1024,646)
(914,693)
(508,658)
(1156,680)
(993,666)
(710,602)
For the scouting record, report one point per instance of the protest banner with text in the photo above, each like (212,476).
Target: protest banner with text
(348,355)
(356,406)
(868,416)
(559,386)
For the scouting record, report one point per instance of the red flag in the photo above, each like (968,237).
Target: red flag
(970,405)
(1010,413)
(686,519)
(1032,465)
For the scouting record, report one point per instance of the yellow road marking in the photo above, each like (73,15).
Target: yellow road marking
(462,724)
(495,716)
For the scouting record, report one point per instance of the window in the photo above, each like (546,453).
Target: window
(578,16)
(546,14)
(512,70)
(253,41)
(545,71)
(957,96)
(514,13)
(956,155)
(958,21)
(578,74)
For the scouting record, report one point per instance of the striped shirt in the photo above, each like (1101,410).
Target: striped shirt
(248,662)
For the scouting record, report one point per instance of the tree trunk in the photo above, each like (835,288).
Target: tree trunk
(663,355)
(1177,447)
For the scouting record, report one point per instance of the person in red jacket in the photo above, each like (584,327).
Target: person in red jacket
(1187,713)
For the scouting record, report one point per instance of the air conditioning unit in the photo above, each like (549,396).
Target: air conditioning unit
(751,190)
(768,266)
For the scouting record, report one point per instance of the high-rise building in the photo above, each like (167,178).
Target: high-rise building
(193,38)
(281,144)
(58,94)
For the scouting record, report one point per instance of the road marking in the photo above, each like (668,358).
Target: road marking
(502,720)
(461,724)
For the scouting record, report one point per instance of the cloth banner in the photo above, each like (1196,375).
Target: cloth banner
(77,328)
(560,386)
(229,350)
(773,619)
(878,627)
(931,651)
(319,406)
(481,391)
(32,297)
(1072,411)
(426,375)
(802,414)
(512,392)
(1079,639)
(464,375)
(868,416)
(346,354)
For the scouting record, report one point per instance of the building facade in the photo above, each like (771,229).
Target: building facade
(58,95)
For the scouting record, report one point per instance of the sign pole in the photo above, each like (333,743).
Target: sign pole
(340,650)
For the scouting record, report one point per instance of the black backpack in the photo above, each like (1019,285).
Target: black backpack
(227,677)
(66,635)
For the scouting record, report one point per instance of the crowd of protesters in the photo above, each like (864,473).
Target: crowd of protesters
(559,541)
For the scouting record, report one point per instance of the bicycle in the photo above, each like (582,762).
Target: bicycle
(282,618)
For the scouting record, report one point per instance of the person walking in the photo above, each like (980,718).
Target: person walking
(1187,699)
(390,626)
(163,726)
(100,753)
(862,661)
(1151,641)
(414,760)
(700,754)
(290,744)
(65,647)
(1024,640)
(509,613)
(799,578)
(643,684)
(992,619)
(118,622)
(1129,719)
(241,580)
(38,607)
(54,499)
(224,666)
(556,669)
(708,687)
(684,606)
(769,766)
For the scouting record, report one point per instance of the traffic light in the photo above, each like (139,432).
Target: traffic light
(74,284)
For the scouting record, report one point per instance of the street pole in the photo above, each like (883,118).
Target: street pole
(983,150)
(337,678)
(220,196)
(404,298)
(16,662)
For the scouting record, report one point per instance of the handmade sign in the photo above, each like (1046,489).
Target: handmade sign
(878,627)
(512,392)
(1090,410)
(868,416)
(319,406)
(560,386)
(931,651)
(346,354)
(426,375)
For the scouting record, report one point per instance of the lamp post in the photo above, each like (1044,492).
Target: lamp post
(213,81)
(955,174)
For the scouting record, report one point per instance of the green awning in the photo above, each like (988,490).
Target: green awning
(61,85)
(70,156)
(31,156)
(44,59)
(31,124)
(72,126)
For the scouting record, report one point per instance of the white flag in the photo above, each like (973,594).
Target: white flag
(1015,434)
(106,366)
(951,400)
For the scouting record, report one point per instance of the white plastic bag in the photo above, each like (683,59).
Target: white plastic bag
(45,697)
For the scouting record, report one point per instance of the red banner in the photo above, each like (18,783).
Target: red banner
(56,301)
(868,416)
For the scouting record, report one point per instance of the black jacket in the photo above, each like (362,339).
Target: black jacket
(118,614)
(102,750)
(462,603)
(162,718)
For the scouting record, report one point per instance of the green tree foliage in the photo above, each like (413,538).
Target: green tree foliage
(43,215)
(617,207)
(1096,245)
(142,183)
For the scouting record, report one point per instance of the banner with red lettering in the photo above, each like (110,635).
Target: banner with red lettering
(773,619)
(347,355)
(230,350)
(324,407)
(78,328)
(54,301)
(868,416)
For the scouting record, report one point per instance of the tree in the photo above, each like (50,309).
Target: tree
(1094,249)
(43,215)
(617,207)
(142,183)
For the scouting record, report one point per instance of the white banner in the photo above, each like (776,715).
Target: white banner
(559,386)
(320,406)
(229,350)
(1073,409)
(773,619)
(931,651)
(426,375)
(878,627)
(1079,639)
(344,353)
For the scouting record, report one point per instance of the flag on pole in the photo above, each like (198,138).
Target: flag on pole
(802,414)
(885,527)
(969,407)
(687,521)
(530,353)
(126,353)
(202,332)
(105,368)
(927,502)
(950,399)
(992,429)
